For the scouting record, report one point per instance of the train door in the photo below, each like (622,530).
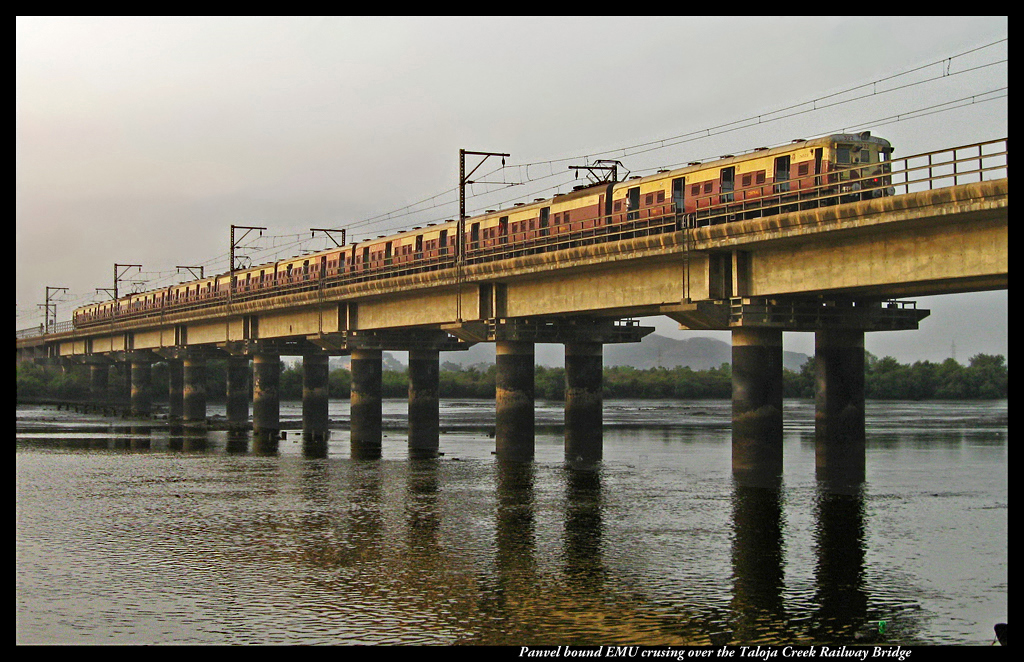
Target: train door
(781,176)
(545,218)
(474,236)
(727,184)
(442,243)
(633,203)
(419,248)
(679,196)
(817,170)
(503,230)
(387,254)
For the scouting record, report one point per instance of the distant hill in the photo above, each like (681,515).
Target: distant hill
(698,353)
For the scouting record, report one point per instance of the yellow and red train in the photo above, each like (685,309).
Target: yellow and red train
(833,169)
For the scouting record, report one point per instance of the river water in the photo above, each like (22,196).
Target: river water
(127,534)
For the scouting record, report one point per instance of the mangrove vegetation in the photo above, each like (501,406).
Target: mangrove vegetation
(983,378)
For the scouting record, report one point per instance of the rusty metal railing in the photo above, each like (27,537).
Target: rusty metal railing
(950,167)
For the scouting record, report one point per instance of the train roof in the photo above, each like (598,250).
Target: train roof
(759,153)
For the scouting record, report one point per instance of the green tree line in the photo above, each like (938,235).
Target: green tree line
(984,378)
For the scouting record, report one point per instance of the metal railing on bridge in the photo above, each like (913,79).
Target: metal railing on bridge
(57,327)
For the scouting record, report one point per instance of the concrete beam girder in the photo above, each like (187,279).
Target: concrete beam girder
(551,330)
(815,314)
(389,340)
(182,352)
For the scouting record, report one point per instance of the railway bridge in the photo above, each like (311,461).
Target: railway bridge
(839,271)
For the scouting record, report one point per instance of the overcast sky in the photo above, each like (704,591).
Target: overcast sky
(141,140)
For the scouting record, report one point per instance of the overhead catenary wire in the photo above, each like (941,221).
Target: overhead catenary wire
(825,101)
(533,172)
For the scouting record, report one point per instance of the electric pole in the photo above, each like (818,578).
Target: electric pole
(48,307)
(231,271)
(460,241)
(463,180)
(234,243)
(118,277)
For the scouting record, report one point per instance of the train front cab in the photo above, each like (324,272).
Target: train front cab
(861,167)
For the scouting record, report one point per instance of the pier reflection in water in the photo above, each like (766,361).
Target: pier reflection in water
(141,533)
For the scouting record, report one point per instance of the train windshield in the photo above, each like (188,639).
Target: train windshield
(854,154)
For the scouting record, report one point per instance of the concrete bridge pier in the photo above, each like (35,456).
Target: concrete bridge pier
(237,391)
(839,428)
(584,364)
(514,396)
(757,401)
(99,378)
(175,389)
(266,402)
(141,385)
(424,381)
(194,390)
(314,398)
(365,408)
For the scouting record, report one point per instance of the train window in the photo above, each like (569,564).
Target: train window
(843,154)
(649,199)
(801,170)
(695,190)
(747,179)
